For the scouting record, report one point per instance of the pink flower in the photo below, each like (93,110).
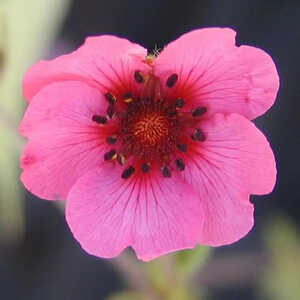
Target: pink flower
(154,153)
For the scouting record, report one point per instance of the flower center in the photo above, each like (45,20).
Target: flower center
(147,131)
(152,131)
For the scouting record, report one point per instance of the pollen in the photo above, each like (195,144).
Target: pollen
(151,129)
(127,97)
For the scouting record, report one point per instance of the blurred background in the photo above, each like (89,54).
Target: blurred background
(39,259)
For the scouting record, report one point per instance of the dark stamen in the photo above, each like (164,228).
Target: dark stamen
(181,147)
(198,111)
(99,119)
(121,159)
(138,77)
(147,101)
(110,111)
(198,135)
(172,80)
(179,164)
(166,171)
(171,113)
(179,102)
(110,98)
(145,168)
(111,140)
(127,97)
(127,172)
(110,154)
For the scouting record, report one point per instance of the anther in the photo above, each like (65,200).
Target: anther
(179,164)
(110,98)
(147,101)
(127,172)
(179,102)
(138,77)
(111,140)
(99,119)
(121,159)
(165,170)
(198,111)
(171,113)
(145,168)
(172,80)
(127,97)
(110,111)
(198,135)
(181,147)
(110,154)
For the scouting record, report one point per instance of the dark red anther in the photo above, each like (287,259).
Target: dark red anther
(147,101)
(127,95)
(179,164)
(99,119)
(110,111)
(198,135)
(171,113)
(181,147)
(171,81)
(145,168)
(109,155)
(165,170)
(110,98)
(138,77)
(111,140)
(121,159)
(198,111)
(127,172)
(179,103)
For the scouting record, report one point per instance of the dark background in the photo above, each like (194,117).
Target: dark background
(48,264)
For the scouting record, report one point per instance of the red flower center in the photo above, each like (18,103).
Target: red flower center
(151,131)
(147,131)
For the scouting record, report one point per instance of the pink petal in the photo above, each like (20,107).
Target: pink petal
(152,214)
(234,161)
(103,61)
(64,142)
(214,73)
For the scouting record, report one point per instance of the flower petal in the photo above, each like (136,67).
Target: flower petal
(64,142)
(154,215)
(215,73)
(103,61)
(234,161)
